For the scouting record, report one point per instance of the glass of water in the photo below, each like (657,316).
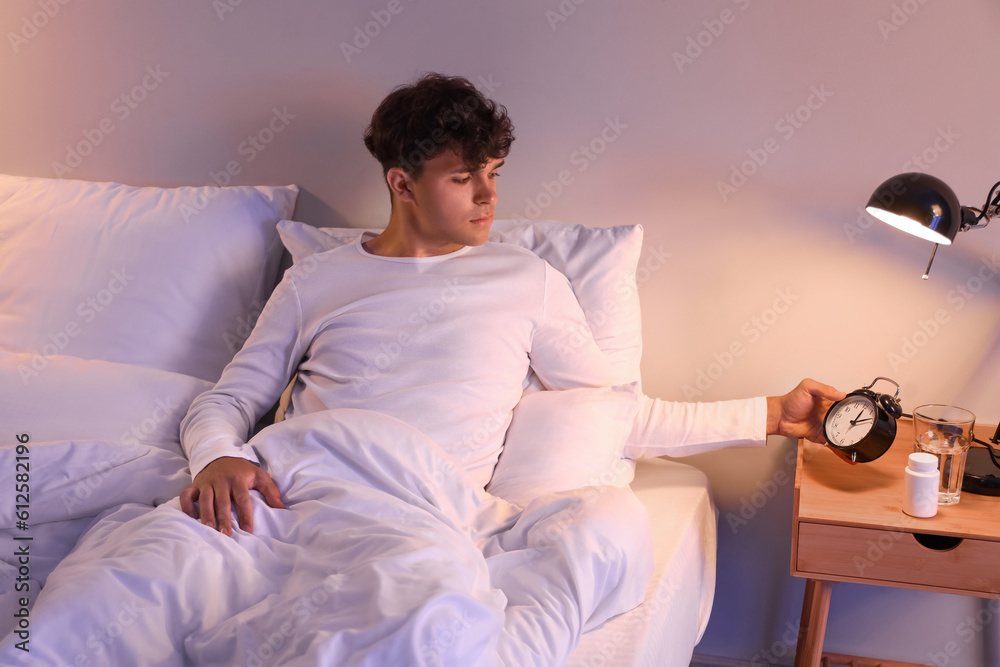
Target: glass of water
(946,432)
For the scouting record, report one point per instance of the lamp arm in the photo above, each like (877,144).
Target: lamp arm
(988,211)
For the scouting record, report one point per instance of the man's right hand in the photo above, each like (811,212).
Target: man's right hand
(225,482)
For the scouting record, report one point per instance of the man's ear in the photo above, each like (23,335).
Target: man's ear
(400,184)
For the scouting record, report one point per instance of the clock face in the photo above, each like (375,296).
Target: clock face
(850,421)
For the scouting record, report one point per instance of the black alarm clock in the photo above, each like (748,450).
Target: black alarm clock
(862,425)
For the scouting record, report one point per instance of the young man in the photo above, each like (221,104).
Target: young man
(440,144)
(505,312)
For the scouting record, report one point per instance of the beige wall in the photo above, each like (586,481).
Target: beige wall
(816,102)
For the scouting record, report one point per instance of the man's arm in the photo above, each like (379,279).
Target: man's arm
(564,355)
(681,429)
(563,352)
(215,430)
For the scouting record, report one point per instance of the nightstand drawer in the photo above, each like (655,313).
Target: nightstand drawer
(891,557)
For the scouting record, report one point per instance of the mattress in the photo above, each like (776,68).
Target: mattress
(664,630)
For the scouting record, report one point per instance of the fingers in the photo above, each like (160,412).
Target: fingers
(189,497)
(822,390)
(224,510)
(225,485)
(206,507)
(244,511)
(267,488)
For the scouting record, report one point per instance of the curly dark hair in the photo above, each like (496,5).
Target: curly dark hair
(417,122)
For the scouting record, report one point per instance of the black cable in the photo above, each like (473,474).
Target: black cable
(989,202)
(996,461)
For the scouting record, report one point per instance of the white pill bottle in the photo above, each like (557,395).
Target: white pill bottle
(920,485)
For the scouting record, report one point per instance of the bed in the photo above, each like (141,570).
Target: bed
(119,305)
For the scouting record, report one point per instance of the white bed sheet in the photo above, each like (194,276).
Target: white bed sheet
(664,630)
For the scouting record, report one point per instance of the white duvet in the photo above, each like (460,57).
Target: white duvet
(384,556)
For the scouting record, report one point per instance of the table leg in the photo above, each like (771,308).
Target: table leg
(812,628)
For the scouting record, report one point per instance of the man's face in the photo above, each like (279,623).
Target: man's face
(453,206)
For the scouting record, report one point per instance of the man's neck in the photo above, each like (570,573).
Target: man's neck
(399,240)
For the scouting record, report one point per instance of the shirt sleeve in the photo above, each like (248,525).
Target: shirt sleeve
(219,420)
(667,428)
(563,352)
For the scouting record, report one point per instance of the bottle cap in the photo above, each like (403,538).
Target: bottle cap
(923,462)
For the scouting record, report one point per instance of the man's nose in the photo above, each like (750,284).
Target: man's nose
(486,191)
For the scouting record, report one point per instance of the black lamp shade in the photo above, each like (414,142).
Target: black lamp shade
(919,204)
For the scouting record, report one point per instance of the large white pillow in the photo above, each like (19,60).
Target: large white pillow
(165,278)
(65,398)
(100,434)
(562,440)
(600,263)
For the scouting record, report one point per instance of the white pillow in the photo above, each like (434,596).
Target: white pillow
(64,398)
(600,263)
(100,434)
(165,278)
(562,440)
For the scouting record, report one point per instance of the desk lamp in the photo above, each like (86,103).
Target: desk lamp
(926,207)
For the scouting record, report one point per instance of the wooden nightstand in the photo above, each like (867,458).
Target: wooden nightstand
(848,525)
